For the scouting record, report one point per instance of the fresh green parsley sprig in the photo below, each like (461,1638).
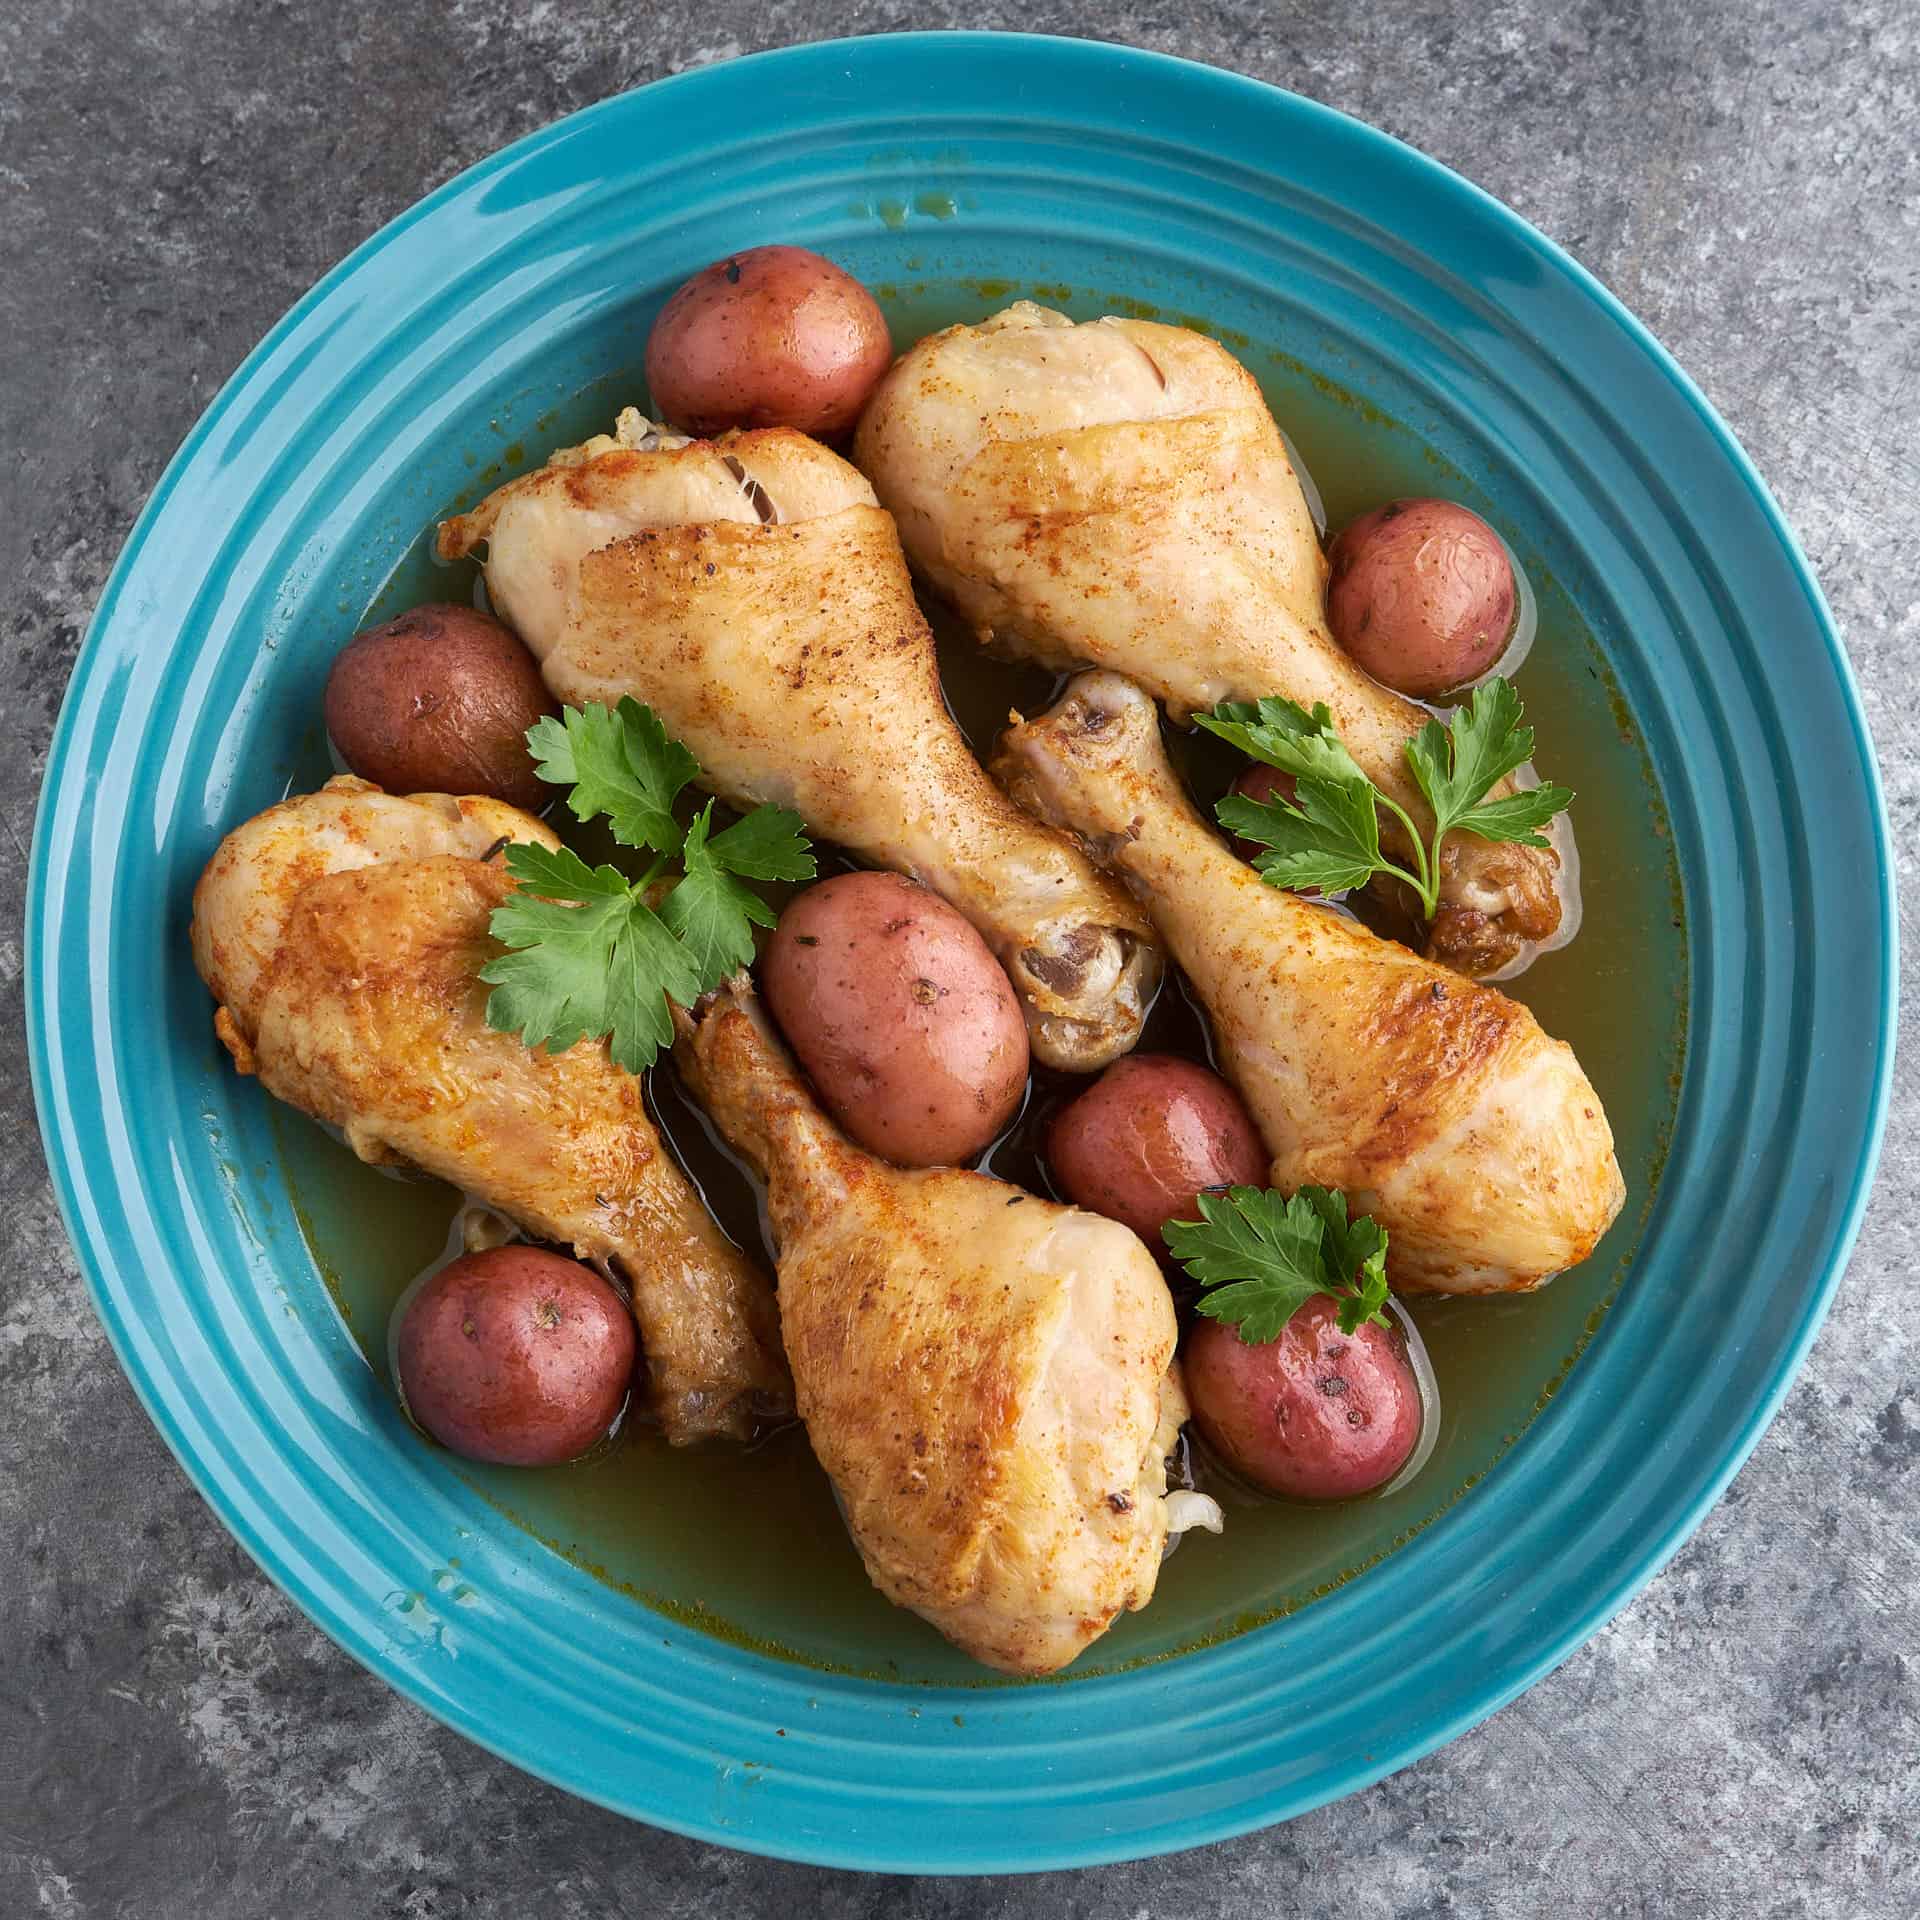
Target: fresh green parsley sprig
(1328,835)
(593,953)
(1260,1257)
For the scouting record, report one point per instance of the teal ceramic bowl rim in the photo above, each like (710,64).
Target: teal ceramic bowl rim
(1071,1797)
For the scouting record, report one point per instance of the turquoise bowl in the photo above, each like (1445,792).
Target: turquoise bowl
(312,474)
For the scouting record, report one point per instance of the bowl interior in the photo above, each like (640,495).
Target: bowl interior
(641,1516)
(1414,338)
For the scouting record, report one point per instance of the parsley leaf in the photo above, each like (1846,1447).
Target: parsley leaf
(1256,1254)
(1310,844)
(593,953)
(1518,816)
(1457,766)
(1367,1302)
(1285,735)
(619,761)
(1260,1257)
(1328,834)
(561,875)
(768,844)
(710,912)
(1355,1253)
(599,962)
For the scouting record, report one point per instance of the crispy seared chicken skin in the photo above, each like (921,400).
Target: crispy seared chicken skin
(752,593)
(341,934)
(987,1378)
(1116,494)
(1435,1104)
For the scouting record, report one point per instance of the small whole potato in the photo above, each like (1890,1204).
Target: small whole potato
(1422,595)
(773,337)
(1316,1414)
(1147,1137)
(516,1356)
(439,701)
(901,1016)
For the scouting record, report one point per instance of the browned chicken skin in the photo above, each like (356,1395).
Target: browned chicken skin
(751,592)
(986,1377)
(1116,494)
(1436,1105)
(342,933)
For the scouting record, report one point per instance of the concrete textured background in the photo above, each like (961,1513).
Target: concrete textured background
(176,1741)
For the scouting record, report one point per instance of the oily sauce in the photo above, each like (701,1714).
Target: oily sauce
(747,1543)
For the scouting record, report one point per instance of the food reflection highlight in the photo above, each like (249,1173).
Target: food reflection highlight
(994,1379)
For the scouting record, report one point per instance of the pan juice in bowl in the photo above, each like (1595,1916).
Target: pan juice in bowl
(747,1544)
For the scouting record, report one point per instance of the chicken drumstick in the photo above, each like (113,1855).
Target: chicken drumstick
(1436,1105)
(751,592)
(986,1377)
(341,933)
(1116,494)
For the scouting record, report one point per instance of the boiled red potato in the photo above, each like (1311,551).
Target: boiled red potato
(773,337)
(1147,1137)
(901,1016)
(439,701)
(1316,1414)
(516,1356)
(1422,595)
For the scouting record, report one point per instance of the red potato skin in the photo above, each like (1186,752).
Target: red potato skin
(439,701)
(773,337)
(901,1016)
(516,1356)
(1422,595)
(1148,1137)
(1316,1414)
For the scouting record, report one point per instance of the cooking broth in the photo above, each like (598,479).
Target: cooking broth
(748,1544)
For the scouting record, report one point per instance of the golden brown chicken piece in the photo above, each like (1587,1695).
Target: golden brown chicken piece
(1434,1104)
(986,1377)
(341,933)
(751,592)
(1116,494)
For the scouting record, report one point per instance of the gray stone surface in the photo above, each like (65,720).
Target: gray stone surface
(175,1741)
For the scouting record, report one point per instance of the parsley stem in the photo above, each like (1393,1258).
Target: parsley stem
(1427,906)
(1427,886)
